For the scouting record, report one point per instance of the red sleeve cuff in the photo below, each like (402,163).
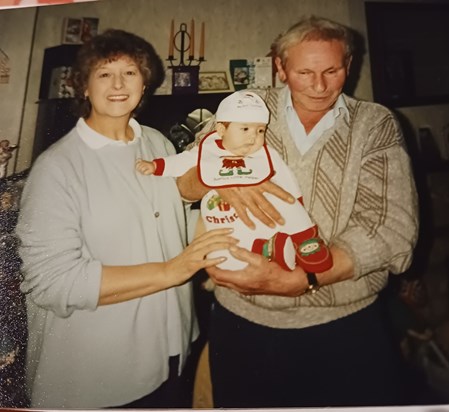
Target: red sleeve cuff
(160,166)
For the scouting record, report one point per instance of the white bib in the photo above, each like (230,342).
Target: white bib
(220,168)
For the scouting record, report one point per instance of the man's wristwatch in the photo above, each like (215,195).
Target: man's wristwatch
(314,286)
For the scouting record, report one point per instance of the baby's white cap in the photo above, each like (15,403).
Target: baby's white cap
(243,107)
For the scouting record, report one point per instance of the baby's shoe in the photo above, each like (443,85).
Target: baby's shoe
(311,252)
(279,248)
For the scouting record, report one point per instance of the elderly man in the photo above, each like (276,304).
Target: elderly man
(279,338)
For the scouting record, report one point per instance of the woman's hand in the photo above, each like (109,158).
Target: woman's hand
(122,283)
(194,256)
(253,198)
(260,277)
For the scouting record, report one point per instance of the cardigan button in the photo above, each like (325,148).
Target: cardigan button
(157,214)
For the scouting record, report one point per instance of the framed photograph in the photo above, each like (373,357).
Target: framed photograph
(215,82)
(240,75)
(71,31)
(185,79)
(167,85)
(89,28)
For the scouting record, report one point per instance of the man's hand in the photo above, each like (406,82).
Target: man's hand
(242,199)
(260,277)
(253,198)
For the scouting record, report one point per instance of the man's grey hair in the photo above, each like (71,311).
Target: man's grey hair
(313,28)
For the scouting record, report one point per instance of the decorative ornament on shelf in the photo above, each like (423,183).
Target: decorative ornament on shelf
(186,66)
(6,150)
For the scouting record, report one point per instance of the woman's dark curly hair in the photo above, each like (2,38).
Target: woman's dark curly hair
(109,46)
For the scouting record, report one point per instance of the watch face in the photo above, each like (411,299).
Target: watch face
(313,289)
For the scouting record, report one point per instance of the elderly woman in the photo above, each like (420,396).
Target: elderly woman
(104,249)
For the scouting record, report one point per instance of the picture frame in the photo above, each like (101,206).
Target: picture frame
(89,28)
(72,30)
(185,79)
(240,73)
(215,82)
(167,85)
(79,30)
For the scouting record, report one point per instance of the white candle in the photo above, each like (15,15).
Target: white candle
(202,40)
(192,39)
(172,37)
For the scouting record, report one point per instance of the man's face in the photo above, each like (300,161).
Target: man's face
(315,71)
(242,139)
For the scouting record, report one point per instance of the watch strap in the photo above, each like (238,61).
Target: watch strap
(314,286)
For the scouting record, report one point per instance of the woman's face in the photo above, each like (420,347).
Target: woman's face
(115,88)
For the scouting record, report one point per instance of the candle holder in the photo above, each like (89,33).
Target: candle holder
(186,67)
(183,42)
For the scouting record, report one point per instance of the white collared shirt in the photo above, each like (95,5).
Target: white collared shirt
(96,140)
(303,140)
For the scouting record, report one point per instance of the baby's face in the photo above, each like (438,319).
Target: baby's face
(243,139)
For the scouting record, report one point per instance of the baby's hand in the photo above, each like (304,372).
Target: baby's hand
(145,167)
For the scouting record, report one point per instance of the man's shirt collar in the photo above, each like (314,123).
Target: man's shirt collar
(339,106)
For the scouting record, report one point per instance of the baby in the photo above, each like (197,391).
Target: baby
(235,154)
